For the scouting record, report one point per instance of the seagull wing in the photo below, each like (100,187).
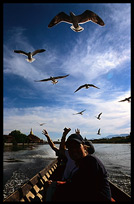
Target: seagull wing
(93,86)
(99,132)
(59,77)
(129,98)
(80,88)
(99,115)
(90,16)
(38,51)
(82,111)
(122,100)
(21,52)
(43,80)
(77,113)
(61,17)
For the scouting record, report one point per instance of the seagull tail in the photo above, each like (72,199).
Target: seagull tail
(30,60)
(78,29)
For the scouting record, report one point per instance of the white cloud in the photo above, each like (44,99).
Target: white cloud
(115,116)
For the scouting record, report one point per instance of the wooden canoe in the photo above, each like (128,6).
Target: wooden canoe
(33,190)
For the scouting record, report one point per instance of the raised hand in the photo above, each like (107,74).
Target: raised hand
(44,132)
(66,131)
(77,131)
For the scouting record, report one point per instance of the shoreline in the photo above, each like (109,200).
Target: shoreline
(32,144)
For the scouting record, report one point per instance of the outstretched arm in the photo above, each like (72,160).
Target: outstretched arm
(50,142)
(62,144)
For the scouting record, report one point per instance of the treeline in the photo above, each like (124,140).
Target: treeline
(18,137)
(113,140)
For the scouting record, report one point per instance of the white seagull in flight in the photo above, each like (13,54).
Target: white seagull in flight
(53,79)
(98,133)
(126,99)
(98,117)
(41,124)
(81,112)
(30,54)
(86,86)
(76,20)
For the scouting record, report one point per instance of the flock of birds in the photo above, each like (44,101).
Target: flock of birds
(74,20)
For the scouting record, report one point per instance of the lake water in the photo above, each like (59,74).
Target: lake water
(117,160)
(31,160)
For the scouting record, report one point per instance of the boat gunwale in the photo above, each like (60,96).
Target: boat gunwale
(26,187)
(123,195)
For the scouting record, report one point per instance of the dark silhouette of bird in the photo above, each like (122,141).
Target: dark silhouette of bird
(29,54)
(98,133)
(86,86)
(98,117)
(81,112)
(76,20)
(126,99)
(53,79)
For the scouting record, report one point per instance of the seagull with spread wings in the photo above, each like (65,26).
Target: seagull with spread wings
(81,112)
(53,79)
(86,86)
(76,20)
(98,133)
(98,117)
(29,54)
(126,99)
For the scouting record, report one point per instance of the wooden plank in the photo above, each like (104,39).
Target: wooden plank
(118,194)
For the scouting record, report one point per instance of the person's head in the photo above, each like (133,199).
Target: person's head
(75,146)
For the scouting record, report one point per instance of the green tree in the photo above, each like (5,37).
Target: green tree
(19,137)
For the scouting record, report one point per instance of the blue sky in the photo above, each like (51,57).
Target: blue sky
(98,55)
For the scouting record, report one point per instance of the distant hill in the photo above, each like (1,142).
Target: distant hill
(118,135)
(116,139)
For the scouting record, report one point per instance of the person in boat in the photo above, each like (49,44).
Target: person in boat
(61,156)
(70,164)
(62,153)
(63,171)
(89,182)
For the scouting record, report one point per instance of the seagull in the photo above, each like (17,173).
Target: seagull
(98,133)
(86,86)
(76,20)
(41,124)
(81,112)
(53,79)
(30,54)
(126,99)
(98,117)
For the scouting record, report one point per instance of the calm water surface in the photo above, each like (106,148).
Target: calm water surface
(29,161)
